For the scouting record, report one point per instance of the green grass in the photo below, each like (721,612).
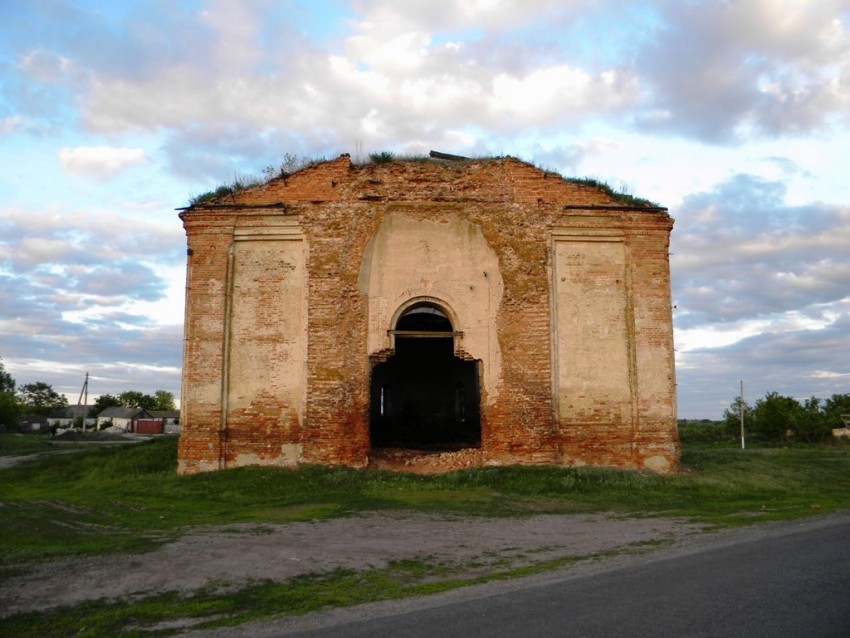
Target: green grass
(154,615)
(120,499)
(166,613)
(618,195)
(130,499)
(12,444)
(290,164)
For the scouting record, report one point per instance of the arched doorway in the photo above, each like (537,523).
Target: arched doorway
(424,396)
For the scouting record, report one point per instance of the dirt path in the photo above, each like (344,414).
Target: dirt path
(57,448)
(233,556)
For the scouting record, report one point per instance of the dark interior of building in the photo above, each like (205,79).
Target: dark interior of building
(424,397)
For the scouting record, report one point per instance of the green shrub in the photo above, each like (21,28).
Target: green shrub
(384,157)
(705,431)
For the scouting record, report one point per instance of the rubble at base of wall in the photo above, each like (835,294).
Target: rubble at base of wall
(424,462)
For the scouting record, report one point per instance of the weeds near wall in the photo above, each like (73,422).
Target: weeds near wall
(618,195)
(383,157)
(289,165)
(292,164)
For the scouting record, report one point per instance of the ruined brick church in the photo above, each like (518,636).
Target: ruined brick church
(427,305)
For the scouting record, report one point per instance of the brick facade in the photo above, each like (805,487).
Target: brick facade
(559,293)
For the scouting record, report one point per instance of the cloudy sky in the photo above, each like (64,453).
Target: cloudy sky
(735,114)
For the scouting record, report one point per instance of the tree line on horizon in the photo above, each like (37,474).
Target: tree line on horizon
(774,418)
(41,399)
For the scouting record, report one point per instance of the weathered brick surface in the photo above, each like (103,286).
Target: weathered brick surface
(337,209)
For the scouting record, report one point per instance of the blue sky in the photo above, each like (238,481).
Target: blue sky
(733,114)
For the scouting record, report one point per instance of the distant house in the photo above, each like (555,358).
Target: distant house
(122,417)
(170,420)
(35,423)
(68,416)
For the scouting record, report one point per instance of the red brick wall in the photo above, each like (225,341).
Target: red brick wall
(209,236)
(339,207)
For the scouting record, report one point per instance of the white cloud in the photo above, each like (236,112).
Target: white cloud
(12,123)
(723,71)
(403,72)
(560,92)
(100,161)
(234,25)
(384,16)
(799,363)
(761,292)
(39,250)
(45,66)
(399,53)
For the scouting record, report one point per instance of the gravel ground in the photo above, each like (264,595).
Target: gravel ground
(233,556)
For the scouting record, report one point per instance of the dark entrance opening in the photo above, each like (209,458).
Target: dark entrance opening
(423,396)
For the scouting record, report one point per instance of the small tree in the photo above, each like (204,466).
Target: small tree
(834,407)
(7,383)
(811,423)
(163,400)
(775,416)
(11,411)
(732,417)
(10,408)
(105,401)
(41,398)
(136,399)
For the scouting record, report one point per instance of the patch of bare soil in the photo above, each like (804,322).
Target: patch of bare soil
(234,556)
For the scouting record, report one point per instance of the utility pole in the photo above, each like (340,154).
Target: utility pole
(741,410)
(84,392)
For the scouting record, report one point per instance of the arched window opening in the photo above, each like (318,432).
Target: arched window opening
(424,397)
(424,318)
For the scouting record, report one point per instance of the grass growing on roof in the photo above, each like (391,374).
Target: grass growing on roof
(617,195)
(292,164)
(289,165)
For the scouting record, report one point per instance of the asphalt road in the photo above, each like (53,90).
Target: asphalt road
(785,580)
